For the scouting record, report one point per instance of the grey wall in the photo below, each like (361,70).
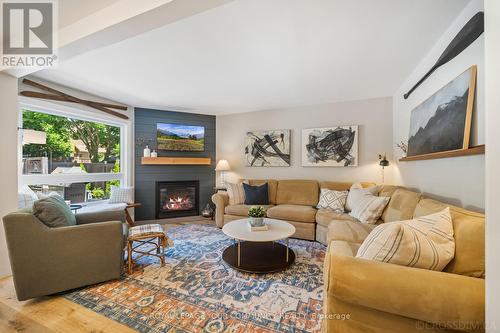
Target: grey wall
(459,180)
(373,116)
(146,176)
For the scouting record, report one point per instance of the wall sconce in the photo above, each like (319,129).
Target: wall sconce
(383,163)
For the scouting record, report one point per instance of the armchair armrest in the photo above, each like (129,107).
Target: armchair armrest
(93,217)
(440,298)
(221,200)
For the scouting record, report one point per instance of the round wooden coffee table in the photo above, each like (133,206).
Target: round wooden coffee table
(257,251)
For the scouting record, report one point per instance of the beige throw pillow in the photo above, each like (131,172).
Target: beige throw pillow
(236,193)
(331,199)
(425,242)
(356,193)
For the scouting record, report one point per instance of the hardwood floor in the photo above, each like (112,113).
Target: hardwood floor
(57,314)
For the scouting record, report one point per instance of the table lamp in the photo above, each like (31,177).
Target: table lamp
(223,166)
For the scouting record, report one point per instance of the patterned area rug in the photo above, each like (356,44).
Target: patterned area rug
(197,292)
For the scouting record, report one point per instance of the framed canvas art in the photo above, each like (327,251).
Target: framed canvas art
(267,148)
(330,146)
(443,121)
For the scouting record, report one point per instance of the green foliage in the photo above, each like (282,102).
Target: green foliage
(98,193)
(61,130)
(58,135)
(257,212)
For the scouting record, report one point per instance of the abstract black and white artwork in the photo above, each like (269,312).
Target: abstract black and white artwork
(330,146)
(267,148)
(442,122)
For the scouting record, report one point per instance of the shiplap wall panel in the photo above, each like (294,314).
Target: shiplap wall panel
(146,176)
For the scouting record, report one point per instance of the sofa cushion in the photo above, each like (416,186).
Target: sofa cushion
(241,210)
(342,186)
(297,213)
(54,212)
(469,230)
(349,231)
(298,192)
(325,216)
(272,187)
(388,190)
(342,248)
(424,242)
(401,206)
(256,195)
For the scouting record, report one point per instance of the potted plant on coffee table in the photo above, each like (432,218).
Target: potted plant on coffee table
(256,215)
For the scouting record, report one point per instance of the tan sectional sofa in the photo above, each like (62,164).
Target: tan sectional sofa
(382,297)
(368,296)
(290,200)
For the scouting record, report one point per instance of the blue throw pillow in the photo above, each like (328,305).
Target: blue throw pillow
(256,195)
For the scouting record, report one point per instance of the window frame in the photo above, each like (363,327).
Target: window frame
(124,176)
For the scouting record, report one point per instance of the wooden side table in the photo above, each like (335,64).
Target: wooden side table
(152,234)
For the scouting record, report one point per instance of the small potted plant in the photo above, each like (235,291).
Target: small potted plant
(256,215)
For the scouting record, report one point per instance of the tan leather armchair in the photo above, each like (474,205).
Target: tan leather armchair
(49,260)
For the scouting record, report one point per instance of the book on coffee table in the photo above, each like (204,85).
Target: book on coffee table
(259,228)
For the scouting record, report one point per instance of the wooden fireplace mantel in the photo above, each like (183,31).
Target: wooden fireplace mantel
(176,161)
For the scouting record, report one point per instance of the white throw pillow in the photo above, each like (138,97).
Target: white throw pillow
(425,242)
(121,194)
(236,193)
(331,199)
(356,193)
(369,208)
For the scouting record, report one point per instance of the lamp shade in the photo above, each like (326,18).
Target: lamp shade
(222,165)
(34,137)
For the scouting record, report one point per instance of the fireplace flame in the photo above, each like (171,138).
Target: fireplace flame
(178,203)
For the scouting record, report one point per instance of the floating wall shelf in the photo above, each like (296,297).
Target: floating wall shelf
(176,161)
(476,150)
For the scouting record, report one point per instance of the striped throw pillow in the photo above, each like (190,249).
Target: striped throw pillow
(356,192)
(121,194)
(368,207)
(236,193)
(334,200)
(425,242)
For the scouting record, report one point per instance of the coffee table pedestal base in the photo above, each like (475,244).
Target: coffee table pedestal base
(259,257)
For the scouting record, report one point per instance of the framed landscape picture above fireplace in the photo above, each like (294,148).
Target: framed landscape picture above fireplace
(443,121)
(178,137)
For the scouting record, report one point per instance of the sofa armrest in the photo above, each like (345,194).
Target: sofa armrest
(444,299)
(221,200)
(93,217)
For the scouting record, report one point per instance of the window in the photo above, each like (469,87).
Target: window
(77,158)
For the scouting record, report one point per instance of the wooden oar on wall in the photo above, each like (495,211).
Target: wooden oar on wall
(469,33)
(60,96)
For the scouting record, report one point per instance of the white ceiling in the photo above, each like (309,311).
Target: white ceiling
(251,55)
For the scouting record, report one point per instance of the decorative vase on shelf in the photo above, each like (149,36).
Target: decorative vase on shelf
(147,152)
(256,221)
(154,153)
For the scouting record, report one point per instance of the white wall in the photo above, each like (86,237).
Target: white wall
(375,136)
(8,152)
(459,180)
(492,165)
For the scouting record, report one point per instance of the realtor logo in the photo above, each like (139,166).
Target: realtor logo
(28,29)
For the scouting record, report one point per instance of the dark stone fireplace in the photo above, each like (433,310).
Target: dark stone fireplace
(177,198)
